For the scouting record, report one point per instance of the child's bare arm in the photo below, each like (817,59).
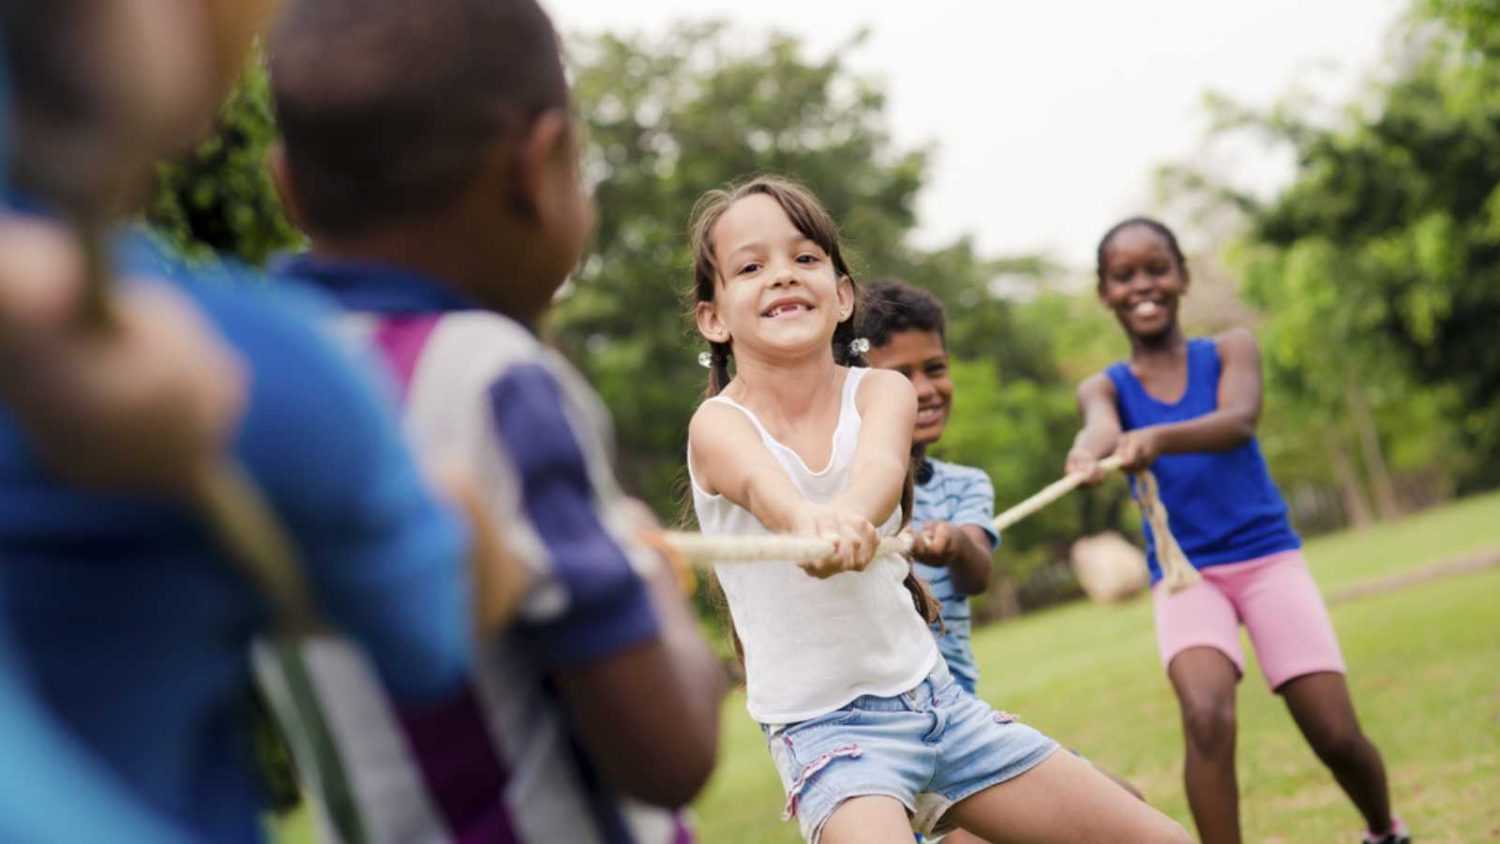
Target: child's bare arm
(729,459)
(1100,433)
(1229,426)
(888,412)
(649,715)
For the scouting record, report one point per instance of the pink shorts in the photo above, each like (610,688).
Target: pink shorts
(1273,596)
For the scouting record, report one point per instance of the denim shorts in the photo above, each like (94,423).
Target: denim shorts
(929,748)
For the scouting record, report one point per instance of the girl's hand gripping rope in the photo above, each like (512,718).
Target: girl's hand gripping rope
(854,539)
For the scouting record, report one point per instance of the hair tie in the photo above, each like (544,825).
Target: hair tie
(859,346)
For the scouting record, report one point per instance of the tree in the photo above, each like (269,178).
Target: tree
(219,198)
(1378,268)
(1477,20)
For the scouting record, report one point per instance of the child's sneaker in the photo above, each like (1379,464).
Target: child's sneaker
(1398,834)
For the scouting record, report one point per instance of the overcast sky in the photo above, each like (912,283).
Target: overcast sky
(1048,117)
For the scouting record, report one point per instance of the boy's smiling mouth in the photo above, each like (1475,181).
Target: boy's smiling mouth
(931,414)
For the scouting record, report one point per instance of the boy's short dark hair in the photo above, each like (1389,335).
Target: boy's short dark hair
(388,108)
(892,306)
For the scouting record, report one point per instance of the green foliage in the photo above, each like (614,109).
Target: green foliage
(1018,430)
(1477,20)
(219,198)
(1411,197)
(1077,338)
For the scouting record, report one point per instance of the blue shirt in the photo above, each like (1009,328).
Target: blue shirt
(961,495)
(136,629)
(53,790)
(1222,506)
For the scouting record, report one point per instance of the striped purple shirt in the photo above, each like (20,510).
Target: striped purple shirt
(503,764)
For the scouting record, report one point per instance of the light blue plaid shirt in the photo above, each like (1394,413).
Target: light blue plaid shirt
(961,495)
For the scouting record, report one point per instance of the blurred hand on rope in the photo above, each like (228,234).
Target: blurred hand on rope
(1138,449)
(500,579)
(146,405)
(936,544)
(1083,462)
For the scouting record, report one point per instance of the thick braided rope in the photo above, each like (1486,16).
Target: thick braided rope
(705,550)
(1175,568)
(702,550)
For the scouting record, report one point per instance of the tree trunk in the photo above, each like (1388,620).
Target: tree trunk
(1374,459)
(1356,508)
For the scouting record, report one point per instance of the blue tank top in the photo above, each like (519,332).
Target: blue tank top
(1222,506)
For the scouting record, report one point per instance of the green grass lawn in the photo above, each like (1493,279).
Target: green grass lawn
(1424,667)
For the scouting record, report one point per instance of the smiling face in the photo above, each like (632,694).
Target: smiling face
(922,358)
(1142,281)
(777,293)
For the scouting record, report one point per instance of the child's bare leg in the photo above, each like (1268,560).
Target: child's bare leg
(959,836)
(875,818)
(1067,801)
(1123,783)
(1321,707)
(1204,679)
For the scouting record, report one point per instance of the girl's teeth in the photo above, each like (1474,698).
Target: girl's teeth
(1147,308)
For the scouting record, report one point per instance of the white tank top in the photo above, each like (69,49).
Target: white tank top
(813,645)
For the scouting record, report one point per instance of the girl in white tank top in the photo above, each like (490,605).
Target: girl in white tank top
(869,733)
(853,634)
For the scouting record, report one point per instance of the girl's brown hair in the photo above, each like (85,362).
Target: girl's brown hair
(815,223)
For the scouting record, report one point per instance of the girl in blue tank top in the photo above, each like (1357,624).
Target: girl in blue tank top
(1224,505)
(1187,410)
